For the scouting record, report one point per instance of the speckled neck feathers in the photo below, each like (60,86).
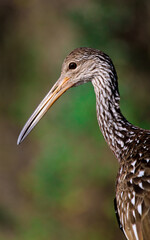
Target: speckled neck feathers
(111,121)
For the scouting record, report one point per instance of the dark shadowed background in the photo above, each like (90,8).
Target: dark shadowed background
(59,184)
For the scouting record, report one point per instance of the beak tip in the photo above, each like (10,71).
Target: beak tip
(19,140)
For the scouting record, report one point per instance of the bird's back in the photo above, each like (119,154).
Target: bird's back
(133,187)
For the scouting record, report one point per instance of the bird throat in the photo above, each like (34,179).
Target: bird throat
(112,123)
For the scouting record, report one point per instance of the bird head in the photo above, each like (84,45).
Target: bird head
(80,66)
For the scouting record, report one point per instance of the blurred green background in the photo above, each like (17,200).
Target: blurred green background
(59,184)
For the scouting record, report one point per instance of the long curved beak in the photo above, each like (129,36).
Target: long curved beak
(56,91)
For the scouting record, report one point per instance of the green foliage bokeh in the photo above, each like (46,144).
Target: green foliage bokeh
(60,183)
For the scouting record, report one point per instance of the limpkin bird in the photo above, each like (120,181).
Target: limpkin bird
(130,144)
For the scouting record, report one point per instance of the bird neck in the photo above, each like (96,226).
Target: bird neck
(112,123)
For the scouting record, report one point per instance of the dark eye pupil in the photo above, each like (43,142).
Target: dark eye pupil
(72,65)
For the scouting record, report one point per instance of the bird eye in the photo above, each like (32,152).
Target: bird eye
(72,65)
